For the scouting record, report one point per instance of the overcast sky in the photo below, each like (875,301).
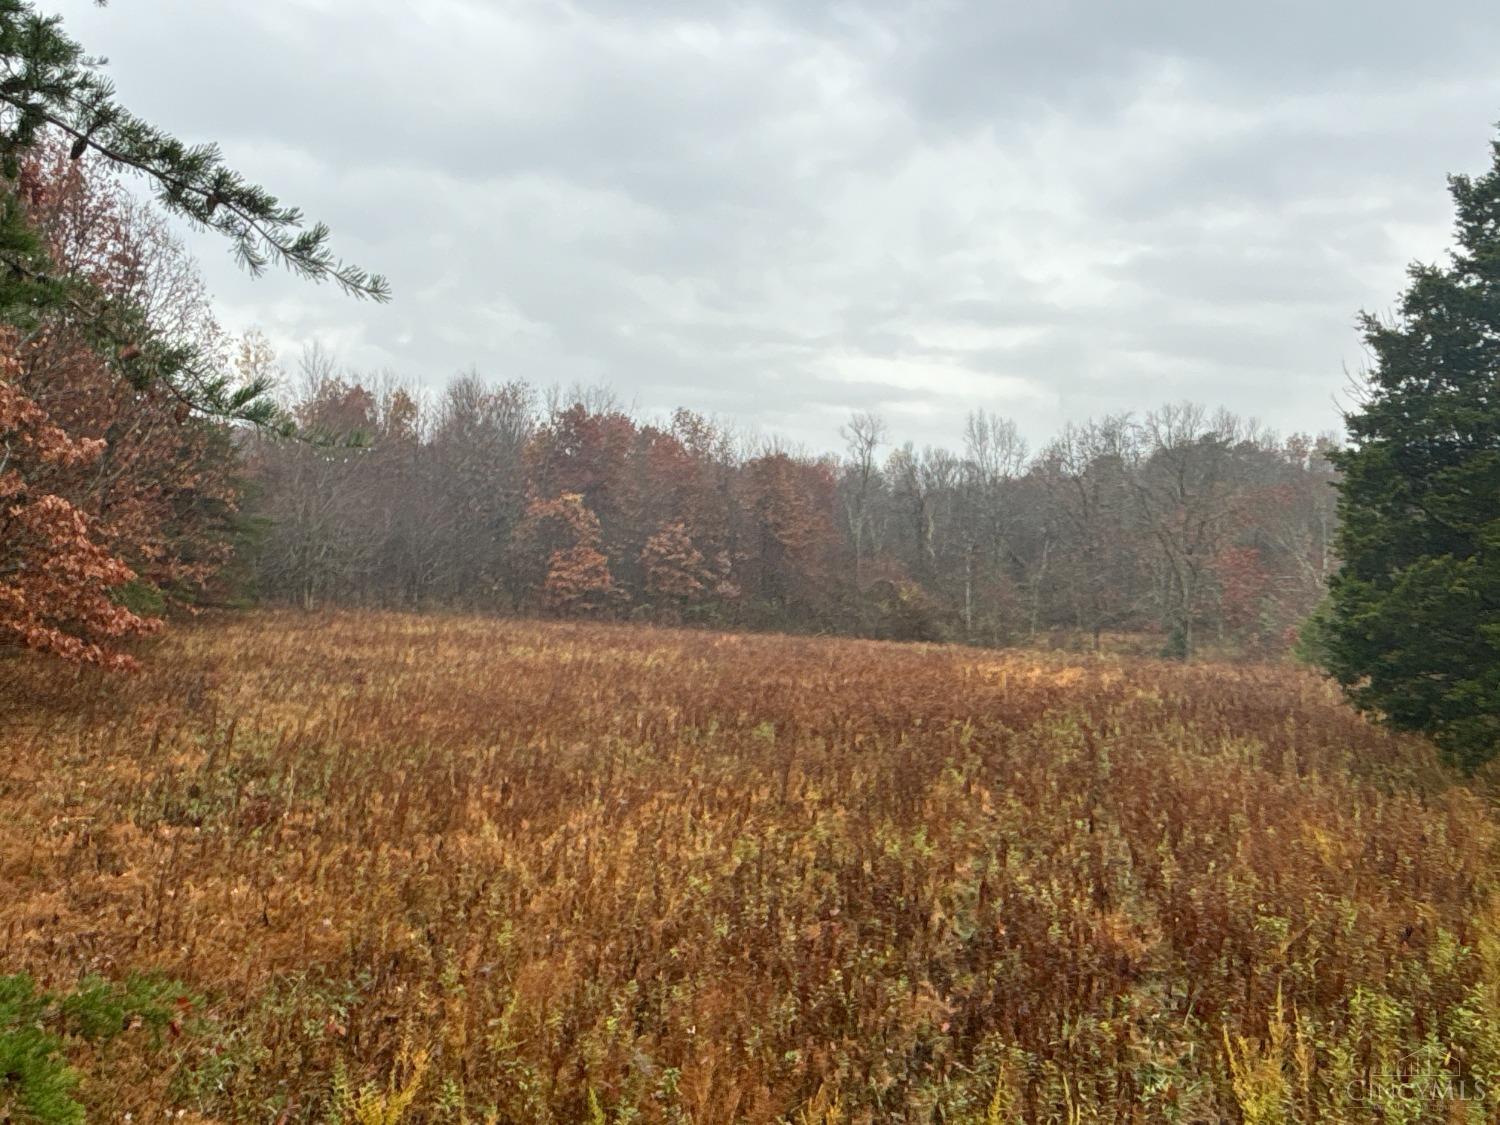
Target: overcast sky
(784,211)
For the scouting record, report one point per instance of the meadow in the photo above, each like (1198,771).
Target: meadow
(380,868)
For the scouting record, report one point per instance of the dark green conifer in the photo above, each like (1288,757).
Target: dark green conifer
(1413,628)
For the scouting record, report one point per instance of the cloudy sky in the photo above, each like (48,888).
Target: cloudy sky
(781,211)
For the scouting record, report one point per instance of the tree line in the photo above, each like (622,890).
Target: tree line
(1182,527)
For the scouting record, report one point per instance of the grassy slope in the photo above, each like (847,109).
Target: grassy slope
(571,873)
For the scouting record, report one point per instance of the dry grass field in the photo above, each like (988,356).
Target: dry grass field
(381,868)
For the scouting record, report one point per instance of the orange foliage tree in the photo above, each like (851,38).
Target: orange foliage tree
(560,538)
(676,573)
(790,535)
(56,574)
(114,488)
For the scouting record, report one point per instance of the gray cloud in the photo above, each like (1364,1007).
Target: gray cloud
(785,211)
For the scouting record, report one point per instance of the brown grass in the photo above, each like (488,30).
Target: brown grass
(449,869)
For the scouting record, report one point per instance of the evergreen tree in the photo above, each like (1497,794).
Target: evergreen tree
(1414,621)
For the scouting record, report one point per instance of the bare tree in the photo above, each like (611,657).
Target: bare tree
(994,456)
(1185,486)
(478,446)
(863,435)
(1084,477)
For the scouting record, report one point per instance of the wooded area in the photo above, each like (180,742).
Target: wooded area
(1191,527)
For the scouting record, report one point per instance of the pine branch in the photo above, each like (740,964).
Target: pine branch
(46,81)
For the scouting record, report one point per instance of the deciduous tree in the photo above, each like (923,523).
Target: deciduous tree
(56,574)
(559,541)
(675,570)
